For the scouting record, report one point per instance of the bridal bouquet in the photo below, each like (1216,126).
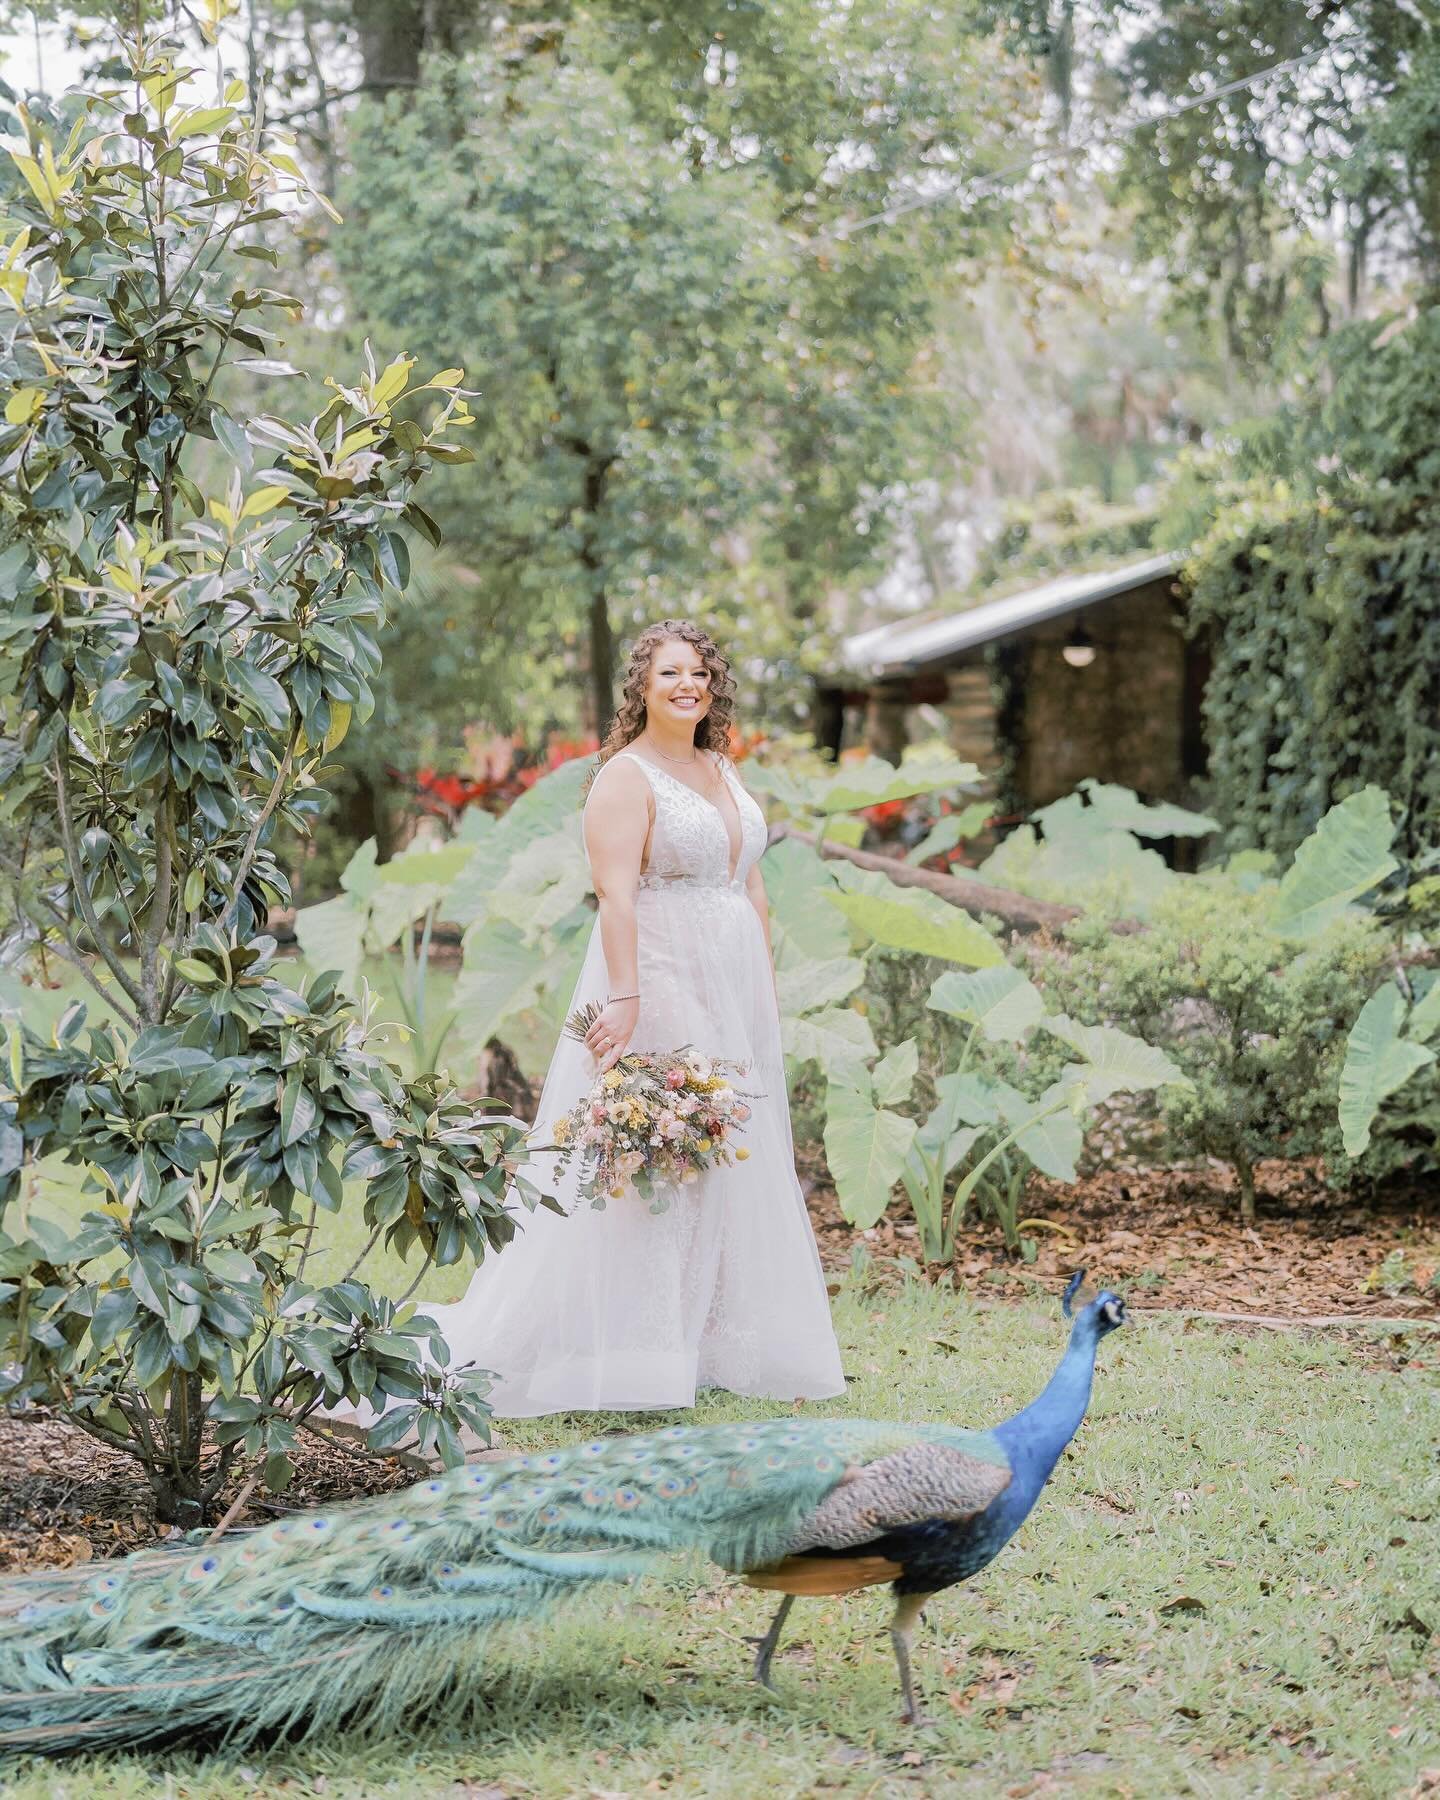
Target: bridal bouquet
(651,1120)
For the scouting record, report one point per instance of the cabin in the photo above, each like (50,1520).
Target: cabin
(1086,674)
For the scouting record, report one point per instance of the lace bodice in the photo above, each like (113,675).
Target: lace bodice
(690,843)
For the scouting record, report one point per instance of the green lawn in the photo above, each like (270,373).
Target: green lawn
(1283,1487)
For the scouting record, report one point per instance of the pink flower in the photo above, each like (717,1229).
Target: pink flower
(675,1078)
(742,1112)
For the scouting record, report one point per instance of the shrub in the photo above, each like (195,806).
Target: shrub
(1257,1023)
(175,670)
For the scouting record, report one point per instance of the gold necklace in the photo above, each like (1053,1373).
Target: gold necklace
(677,759)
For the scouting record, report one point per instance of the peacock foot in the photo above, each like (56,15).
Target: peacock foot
(764,1650)
(765,1646)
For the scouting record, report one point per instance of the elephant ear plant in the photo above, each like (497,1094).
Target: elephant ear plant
(191,611)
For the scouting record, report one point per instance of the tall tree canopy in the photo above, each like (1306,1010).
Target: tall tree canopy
(642,253)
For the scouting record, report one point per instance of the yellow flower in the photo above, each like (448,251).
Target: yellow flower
(562,1130)
(703,1144)
(740,1155)
(616,1193)
(613,1078)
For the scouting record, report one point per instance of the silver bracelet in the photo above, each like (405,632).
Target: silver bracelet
(615,997)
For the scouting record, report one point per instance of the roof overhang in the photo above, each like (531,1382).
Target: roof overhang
(909,645)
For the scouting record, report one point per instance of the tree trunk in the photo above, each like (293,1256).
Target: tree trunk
(602,662)
(392,40)
(602,637)
(1245,1174)
(395,35)
(179,1489)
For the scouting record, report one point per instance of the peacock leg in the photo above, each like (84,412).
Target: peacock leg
(765,1646)
(908,1608)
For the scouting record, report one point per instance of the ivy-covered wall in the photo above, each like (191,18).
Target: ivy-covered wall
(1321,592)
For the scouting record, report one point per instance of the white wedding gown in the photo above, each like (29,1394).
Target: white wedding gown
(624,1308)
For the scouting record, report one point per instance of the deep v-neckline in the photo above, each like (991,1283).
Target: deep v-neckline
(739,820)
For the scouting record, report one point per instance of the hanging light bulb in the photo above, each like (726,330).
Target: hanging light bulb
(1079,648)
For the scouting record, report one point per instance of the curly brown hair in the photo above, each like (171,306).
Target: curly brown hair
(713,731)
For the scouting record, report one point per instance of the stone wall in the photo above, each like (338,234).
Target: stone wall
(1120,719)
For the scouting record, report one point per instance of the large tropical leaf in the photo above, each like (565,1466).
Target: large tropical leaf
(806,986)
(1080,851)
(866,1147)
(976,1099)
(1377,1062)
(1115,1062)
(1424,1020)
(543,882)
(553,802)
(1346,855)
(949,830)
(795,881)
(502,973)
(911,919)
(837,1037)
(999,1000)
(1053,1143)
(925,769)
(426,867)
(332,936)
(1121,809)
(894,1074)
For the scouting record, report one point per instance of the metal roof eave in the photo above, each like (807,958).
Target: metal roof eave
(907,645)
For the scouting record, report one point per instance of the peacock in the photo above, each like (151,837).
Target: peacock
(375,1612)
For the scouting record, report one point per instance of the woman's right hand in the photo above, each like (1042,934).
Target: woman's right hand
(612,1031)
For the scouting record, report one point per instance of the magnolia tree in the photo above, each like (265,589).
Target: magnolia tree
(179,660)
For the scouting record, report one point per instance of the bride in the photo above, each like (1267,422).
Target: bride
(624,1309)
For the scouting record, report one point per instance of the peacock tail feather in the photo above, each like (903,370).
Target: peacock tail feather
(372,1612)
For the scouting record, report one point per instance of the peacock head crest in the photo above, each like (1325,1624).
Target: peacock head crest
(1106,1309)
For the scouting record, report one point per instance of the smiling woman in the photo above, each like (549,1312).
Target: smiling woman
(624,1308)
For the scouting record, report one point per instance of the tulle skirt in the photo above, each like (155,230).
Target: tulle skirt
(626,1309)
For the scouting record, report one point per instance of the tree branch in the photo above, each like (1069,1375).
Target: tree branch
(77,883)
(252,843)
(975,897)
(66,950)
(159,906)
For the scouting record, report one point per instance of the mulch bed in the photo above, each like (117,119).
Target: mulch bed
(67,1499)
(1167,1239)
(1172,1239)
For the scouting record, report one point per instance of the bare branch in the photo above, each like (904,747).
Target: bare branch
(977,897)
(159,906)
(236,1506)
(370,1244)
(252,843)
(66,949)
(425,1268)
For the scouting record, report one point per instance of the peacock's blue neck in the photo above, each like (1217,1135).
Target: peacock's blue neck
(1035,1438)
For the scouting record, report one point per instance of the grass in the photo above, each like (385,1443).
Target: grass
(1230,1588)
(1226,1590)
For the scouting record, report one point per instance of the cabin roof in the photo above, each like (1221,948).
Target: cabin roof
(912,644)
